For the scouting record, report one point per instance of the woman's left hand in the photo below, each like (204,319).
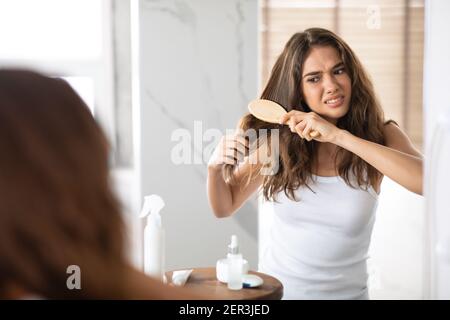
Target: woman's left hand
(304,123)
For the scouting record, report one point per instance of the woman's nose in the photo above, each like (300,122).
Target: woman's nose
(330,84)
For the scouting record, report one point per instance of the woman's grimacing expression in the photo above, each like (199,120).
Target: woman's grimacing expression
(325,84)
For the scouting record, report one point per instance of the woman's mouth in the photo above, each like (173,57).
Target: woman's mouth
(335,102)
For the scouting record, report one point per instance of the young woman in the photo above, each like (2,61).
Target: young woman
(57,209)
(324,193)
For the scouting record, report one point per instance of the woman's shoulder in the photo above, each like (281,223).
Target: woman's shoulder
(396,138)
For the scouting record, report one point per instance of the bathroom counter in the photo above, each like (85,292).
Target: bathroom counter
(204,280)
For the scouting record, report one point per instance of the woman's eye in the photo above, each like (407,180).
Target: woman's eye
(340,71)
(314,79)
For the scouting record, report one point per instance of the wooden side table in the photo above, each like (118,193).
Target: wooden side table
(204,280)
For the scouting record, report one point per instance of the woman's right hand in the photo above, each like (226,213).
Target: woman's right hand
(231,150)
(227,187)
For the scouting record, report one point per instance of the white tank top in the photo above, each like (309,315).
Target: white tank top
(318,247)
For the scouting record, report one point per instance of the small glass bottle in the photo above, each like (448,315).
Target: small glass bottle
(235,263)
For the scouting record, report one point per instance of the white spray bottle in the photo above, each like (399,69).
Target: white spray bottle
(235,264)
(154,237)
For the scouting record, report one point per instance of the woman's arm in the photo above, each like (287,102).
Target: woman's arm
(398,160)
(139,286)
(225,199)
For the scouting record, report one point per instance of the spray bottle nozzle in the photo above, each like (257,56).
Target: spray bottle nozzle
(152,206)
(233,247)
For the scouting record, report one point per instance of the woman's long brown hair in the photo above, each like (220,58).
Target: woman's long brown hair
(364,119)
(57,208)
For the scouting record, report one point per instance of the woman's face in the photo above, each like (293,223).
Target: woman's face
(325,83)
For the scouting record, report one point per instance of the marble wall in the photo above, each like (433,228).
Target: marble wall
(197,71)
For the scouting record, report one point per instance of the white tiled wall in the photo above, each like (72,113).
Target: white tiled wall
(198,64)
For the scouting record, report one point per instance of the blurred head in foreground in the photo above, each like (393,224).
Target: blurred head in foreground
(57,208)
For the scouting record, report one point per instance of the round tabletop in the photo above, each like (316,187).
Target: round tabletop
(204,280)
